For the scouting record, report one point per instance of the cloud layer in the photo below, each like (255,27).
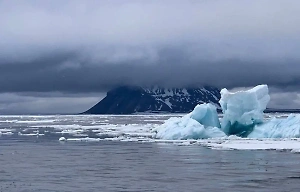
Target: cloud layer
(77,47)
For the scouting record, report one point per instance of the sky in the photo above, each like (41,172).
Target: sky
(62,56)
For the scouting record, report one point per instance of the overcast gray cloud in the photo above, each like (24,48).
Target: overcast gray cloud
(84,47)
(47,103)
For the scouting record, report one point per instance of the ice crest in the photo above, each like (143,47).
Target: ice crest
(243,110)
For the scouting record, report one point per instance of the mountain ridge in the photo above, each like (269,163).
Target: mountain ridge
(135,99)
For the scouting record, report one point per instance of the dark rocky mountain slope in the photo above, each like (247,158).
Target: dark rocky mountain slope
(130,99)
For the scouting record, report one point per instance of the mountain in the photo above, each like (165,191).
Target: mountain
(133,99)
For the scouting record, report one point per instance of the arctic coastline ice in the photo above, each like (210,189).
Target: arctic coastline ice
(125,128)
(242,127)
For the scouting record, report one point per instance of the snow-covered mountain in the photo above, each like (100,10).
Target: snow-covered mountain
(129,99)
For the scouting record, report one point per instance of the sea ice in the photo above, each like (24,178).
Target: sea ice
(292,145)
(243,110)
(62,139)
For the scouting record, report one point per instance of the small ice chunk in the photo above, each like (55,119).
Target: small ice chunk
(295,150)
(62,139)
(243,110)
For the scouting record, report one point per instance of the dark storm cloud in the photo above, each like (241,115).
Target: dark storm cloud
(171,72)
(88,46)
(78,47)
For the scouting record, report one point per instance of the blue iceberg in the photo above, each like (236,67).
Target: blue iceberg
(243,110)
(278,128)
(242,116)
(206,114)
(201,123)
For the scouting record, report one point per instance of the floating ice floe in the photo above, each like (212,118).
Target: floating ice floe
(62,139)
(292,145)
(242,116)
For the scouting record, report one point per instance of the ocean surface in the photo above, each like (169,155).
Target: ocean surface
(120,153)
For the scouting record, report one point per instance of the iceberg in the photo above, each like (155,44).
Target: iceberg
(201,123)
(243,110)
(243,116)
(206,114)
(278,128)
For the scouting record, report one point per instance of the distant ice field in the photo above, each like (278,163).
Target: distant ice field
(124,128)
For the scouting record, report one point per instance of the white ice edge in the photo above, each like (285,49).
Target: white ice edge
(291,144)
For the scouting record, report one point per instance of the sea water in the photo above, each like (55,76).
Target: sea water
(121,153)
